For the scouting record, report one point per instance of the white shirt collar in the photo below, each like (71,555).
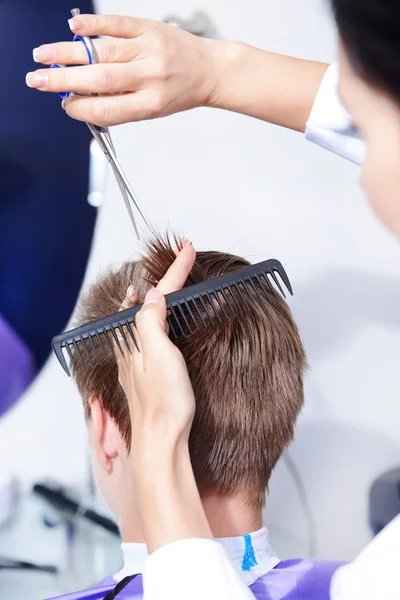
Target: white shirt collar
(250,554)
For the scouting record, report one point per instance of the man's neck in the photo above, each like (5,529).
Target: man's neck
(228,517)
(231,517)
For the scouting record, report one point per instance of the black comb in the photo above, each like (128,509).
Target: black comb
(193,307)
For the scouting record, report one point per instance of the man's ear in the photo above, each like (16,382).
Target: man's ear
(104,434)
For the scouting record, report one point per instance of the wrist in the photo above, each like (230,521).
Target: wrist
(224,59)
(167,497)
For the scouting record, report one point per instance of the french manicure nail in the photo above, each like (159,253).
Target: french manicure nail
(131,293)
(44,54)
(76,24)
(185,242)
(153,296)
(40,82)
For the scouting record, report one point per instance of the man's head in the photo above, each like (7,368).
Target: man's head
(246,373)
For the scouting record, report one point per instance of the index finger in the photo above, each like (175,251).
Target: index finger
(176,276)
(112,25)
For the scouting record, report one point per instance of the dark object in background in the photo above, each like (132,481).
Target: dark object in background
(20,565)
(60,499)
(384,500)
(46,224)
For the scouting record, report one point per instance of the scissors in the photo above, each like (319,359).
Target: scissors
(103,137)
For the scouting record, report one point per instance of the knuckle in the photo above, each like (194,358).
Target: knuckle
(120,23)
(155,104)
(156,40)
(159,70)
(99,113)
(106,79)
(144,316)
(109,52)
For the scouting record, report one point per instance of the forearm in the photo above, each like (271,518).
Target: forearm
(271,87)
(169,503)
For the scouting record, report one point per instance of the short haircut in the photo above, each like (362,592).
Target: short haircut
(246,373)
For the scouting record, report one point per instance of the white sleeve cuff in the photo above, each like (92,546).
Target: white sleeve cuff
(198,569)
(330,126)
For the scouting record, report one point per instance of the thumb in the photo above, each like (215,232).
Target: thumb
(151,321)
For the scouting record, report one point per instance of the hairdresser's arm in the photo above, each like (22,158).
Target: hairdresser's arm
(162,70)
(184,560)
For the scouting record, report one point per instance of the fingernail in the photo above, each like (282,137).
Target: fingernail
(76,24)
(65,102)
(40,82)
(44,54)
(131,293)
(185,242)
(153,296)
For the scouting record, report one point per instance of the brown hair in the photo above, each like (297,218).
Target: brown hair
(247,376)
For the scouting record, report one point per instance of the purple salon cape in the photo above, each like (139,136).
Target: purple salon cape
(16,366)
(294,579)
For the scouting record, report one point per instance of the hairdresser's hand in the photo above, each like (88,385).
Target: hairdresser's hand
(147,69)
(155,378)
(161,403)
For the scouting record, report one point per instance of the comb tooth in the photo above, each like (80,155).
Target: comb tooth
(109,343)
(128,326)
(271,287)
(234,299)
(58,347)
(94,349)
(172,328)
(241,295)
(184,317)
(199,313)
(262,286)
(274,277)
(244,284)
(227,300)
(205,308)
(279,269)
(215,294)
(191,314)
(213,307)
(177,320)
(71,356)
(82,340)
(79,354)
(122,332)
(116,339)
(256,291)
(101,346)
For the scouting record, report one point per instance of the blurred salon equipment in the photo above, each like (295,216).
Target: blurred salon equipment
(384,500)
(62,550)
(199,24)
(60,499)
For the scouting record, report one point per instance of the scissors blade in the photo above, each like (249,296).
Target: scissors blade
(123,179)
(126,200)
(103,137)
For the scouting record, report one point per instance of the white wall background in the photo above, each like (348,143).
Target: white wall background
(233,183)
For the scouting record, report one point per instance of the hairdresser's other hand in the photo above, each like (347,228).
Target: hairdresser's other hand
(161,404)
(155,379)
(147,69)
